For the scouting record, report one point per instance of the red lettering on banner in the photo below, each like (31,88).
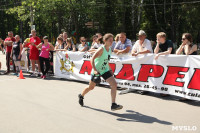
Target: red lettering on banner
(126,72)
(147,71)
(86,67)
(112,66)
(173,74)
(195,81)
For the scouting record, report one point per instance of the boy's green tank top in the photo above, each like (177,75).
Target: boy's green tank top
(101,63)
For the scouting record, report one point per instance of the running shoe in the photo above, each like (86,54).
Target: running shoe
(44,77)
(81,99)
(15,74)
(33,75)
(39,75)
(116,107)
(7,72)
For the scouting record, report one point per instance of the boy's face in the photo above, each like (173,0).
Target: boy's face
(161,39)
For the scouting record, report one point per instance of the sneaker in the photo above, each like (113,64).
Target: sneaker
(81,99)
(15,74)
(44,77)
(33,75)
(41,76)
(116,107)
(7,72)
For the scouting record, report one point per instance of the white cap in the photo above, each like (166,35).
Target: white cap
(141,32)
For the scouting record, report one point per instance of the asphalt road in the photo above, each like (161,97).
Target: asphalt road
(51,106)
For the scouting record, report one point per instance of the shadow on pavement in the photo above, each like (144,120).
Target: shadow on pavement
(169,98)
(132,116)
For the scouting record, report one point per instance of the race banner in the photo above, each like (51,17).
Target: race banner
(171,74)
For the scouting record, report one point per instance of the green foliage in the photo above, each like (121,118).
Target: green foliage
(53,16)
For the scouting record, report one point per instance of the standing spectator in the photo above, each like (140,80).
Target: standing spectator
(61,36)
(16,54)
(2,46)
(26,44)
(65,36)
(44,56)
(8,44)
(166,48)
(187,48)
(1,42)
(124,45)
(70,46)
(34,52)
(83,46)
(163,45)
(99,35)
(142,46)
(98,44)
(60,44)
(115,42)
(94,39)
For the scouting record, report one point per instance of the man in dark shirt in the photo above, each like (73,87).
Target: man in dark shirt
(163,45)
(166,48)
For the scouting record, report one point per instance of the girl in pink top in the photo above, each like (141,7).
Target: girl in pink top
(44,56)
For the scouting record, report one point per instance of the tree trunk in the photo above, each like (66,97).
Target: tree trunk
(133,17)
(173,24)
(140,12)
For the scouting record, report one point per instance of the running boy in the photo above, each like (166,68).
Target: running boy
(101,67)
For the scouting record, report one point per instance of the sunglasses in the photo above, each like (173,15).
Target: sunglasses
(183,38)
(83,40)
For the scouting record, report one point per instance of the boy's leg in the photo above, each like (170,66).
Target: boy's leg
(113,85)
(89,88)
(85,91)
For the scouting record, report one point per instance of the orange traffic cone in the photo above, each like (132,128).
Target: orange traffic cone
(21,75)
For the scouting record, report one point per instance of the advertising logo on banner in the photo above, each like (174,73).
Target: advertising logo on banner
(173,74)
(66,65)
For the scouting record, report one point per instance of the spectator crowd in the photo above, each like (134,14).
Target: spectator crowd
(39,50)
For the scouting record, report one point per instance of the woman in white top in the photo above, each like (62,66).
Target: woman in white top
(115,42)
(98,44)
(70,46)
(83,46)
(60,44)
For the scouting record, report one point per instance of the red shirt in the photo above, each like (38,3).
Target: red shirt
(9,48)
(36,40)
